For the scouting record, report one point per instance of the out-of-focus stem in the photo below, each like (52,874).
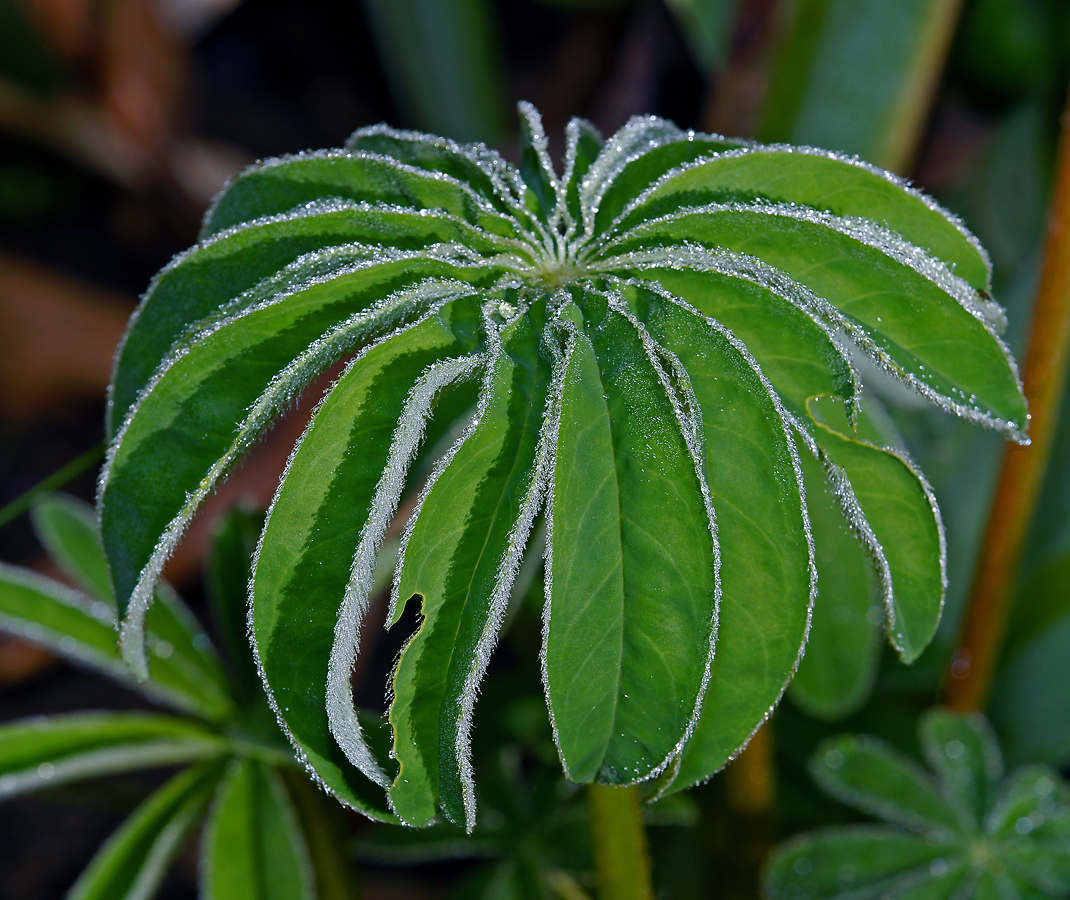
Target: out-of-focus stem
(52,483)
(1043,378)
(749,779)
(621,855)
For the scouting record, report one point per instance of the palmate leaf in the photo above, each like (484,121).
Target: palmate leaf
(965,834)
(654,350)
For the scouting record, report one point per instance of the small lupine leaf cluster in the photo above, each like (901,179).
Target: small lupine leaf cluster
(237,776)
(962,831)
(649,358)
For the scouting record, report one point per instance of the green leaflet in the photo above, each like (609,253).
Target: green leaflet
(910,323)
(459,557)
(68,529)
(1030,790)
(280,185)
(843,646)
(252,846)
(181,438)
(184,659)
(841,186)
(584,142)
(799,357)
(42,752)
(473,164)
(899,521)
(871,776)
(535,166)
(639,138)
(965,755)
(83,630)
(298,581)
(227,264)
(131,865)
(629,609)
(872,858)
(766,582)
(640,173)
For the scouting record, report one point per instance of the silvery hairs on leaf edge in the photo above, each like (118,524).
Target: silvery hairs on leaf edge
(478,200)
(786,424)
(739,265)
(842,491)
(691,431)
(639,135)
(299,752)
(557,329)
(865,231)
(341,712)
(506,180)
(280,391)
(508,566)
(749,147)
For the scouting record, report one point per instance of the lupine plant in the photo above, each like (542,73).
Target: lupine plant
(262,832)
(644,368)
(967,832)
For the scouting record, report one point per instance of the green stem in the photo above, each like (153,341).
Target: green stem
(621,856)
(56,480)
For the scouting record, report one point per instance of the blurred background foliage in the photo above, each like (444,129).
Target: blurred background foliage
(120,119)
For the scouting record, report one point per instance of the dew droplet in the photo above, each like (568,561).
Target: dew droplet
(803,866)
(955,749)
(46,770)
(833,759)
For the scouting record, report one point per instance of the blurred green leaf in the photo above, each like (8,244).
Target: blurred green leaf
(227,579)
(131,865)
(83,630)
(1031,693)
(184,660)
(253,848)
(42,752)
(707,26)
(858,75)
(442,60)
(974,835)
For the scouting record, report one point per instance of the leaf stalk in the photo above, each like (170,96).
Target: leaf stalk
(621,855)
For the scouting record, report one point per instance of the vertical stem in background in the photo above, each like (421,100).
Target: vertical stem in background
(973,664)
(621,856)
(750,788)
(749,779)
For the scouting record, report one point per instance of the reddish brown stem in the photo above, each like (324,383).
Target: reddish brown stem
(970,678)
